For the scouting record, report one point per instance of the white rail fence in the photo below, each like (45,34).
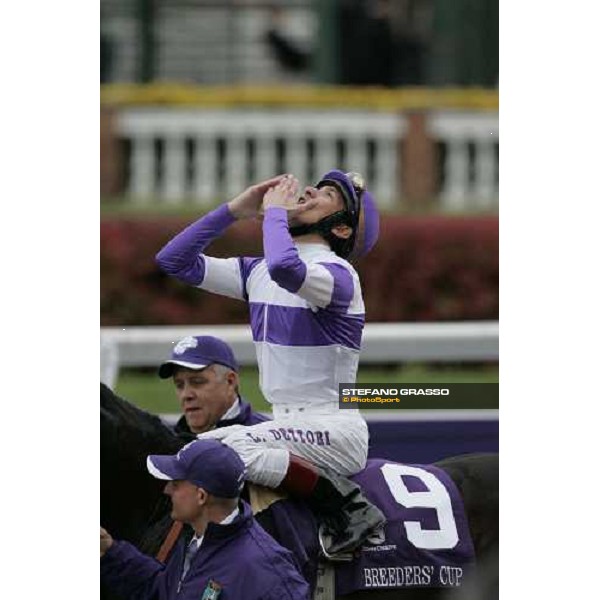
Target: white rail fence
(383,343)
(201,155)
(211,154)
(470,169)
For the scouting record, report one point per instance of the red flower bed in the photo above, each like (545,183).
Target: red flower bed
(422,269)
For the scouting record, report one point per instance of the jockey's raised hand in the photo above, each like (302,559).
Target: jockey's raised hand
(285,195)
(247,204)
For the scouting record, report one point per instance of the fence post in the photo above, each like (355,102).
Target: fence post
(111,159)
(418,162)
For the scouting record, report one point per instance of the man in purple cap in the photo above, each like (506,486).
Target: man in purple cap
(229,552)
(205,374)
(307,316)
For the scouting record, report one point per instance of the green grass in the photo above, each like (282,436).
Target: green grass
(158,396)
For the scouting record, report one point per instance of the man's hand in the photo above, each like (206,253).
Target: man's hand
(285,195)
(106,541)
(249,202)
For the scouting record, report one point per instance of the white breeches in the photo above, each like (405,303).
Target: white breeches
(338,440)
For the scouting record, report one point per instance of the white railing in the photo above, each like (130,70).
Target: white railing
(109,361)
(383,343)
(213,154)
(210,155)
(470,170)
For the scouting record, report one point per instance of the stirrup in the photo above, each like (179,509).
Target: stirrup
(377,536)
(324,542)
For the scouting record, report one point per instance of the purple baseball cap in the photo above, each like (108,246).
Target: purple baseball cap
(198,352)
(209,464)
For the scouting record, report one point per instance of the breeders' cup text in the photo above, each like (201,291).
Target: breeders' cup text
(412,576)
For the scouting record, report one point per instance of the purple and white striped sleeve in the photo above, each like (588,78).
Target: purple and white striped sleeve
(283,262)
(183,259)
(326,285)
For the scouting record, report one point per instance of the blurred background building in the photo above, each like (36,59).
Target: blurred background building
(353,42)
(203,97)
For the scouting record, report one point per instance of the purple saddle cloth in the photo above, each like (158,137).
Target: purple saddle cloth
(426,541)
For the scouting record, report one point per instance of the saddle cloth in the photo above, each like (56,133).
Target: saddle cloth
(426,541)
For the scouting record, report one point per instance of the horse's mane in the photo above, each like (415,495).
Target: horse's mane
(132,431)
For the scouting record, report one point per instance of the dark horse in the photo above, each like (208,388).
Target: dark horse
(134,508)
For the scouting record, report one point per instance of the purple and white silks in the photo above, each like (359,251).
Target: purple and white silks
(306,306)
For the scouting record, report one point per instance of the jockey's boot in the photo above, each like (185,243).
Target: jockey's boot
(347,516)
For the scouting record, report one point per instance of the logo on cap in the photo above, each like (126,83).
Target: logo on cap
(184,449)
(357,181)
(185,344)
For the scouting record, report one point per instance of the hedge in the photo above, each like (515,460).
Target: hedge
(422,269)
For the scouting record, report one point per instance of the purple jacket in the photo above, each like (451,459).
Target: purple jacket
(240,558)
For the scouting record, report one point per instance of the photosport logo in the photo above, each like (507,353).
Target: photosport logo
(418,395)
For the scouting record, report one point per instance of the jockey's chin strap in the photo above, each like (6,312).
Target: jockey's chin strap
(349,215)
(323,227)
(169,542)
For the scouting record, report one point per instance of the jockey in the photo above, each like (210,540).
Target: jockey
(307,315)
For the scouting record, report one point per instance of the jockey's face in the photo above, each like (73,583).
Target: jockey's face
(327,200)
(187,500)
(205,395)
